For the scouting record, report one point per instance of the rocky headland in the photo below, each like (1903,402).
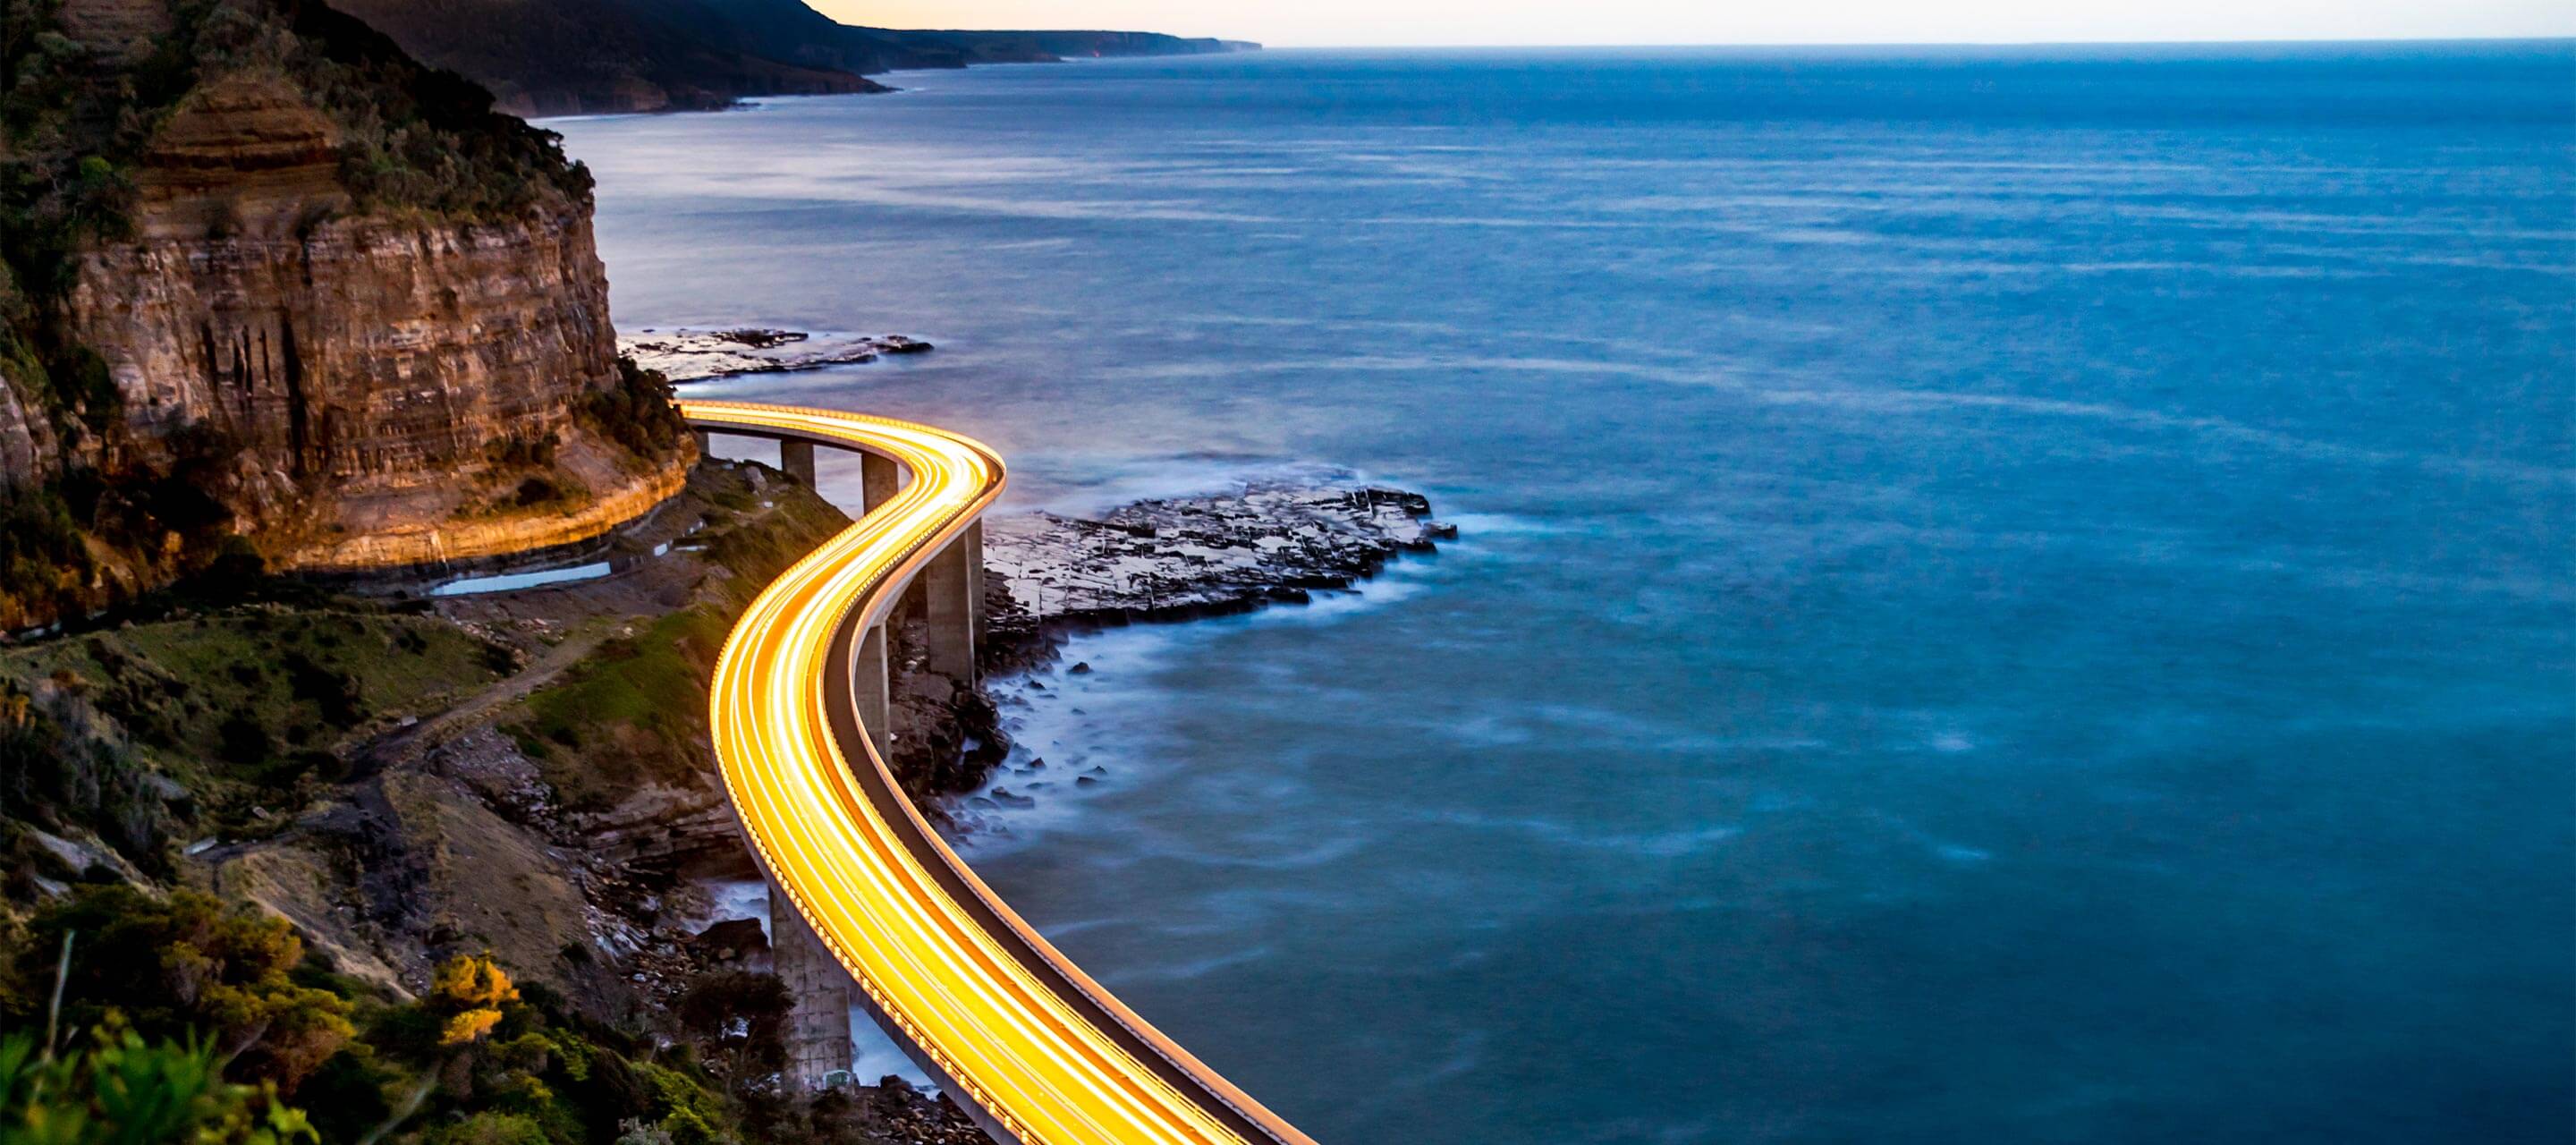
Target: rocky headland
(569,57)
(275,298)
(274,291)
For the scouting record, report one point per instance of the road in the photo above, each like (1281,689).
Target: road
(1045,1053)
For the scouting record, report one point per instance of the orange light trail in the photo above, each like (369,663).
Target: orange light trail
(1040,1048)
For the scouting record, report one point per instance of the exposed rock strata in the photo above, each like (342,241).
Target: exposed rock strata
(341,384)
(363,361)
(122,29)
(441,540)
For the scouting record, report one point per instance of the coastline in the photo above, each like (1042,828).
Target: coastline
(1055,577)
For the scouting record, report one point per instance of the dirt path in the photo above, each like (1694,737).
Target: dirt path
(428,733)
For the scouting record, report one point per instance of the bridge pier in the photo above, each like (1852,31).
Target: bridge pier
(820,1052)
(952,598)
(948,594)
(797,459)
(872,690)
(879,480)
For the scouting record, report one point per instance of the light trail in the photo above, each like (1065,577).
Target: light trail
(1022,1034)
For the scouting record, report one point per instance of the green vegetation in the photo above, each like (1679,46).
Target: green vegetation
(231,1022)
(125,1091)
(508,1063)
(633,712)
(638,413)
(417,137)
(77,123)
(58,773)
(244,707)
(41,553)
(412,137)
(249,1030)
(186,967)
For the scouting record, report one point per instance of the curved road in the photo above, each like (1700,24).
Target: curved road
(1045,1053)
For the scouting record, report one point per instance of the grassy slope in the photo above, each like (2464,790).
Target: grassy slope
(634,712)
(253,704)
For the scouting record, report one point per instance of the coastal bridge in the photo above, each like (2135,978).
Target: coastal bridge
(867,903)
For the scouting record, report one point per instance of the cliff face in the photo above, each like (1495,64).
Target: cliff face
(367,357)
(341,383)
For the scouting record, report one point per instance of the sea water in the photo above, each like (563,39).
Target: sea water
(2007,595)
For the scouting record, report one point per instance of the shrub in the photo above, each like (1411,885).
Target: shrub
(525,453)
(190,965)
(52,773)
(470,991)
(242,739)
(334,693)
(536,491)
(489,1129)
(123,1089)
(637,413)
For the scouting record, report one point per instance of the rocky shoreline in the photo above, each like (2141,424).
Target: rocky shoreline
(685,355)
(1188,558)
(611,830)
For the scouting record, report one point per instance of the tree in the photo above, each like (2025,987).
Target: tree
(189,965)
(470,989)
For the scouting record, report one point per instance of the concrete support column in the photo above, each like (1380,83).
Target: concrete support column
(951,602)
(870,687)
(974,542)
(797,458)
(819,1050)
(879,480)
(705,448)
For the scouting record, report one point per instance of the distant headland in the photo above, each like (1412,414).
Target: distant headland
(572,57)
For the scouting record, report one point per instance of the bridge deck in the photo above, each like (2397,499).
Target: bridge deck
(1038,1049)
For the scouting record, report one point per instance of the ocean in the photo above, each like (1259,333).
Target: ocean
(2007,595)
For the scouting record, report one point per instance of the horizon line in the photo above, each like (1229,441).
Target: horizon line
(2568,37)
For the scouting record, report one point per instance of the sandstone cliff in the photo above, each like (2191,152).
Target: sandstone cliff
(341,313)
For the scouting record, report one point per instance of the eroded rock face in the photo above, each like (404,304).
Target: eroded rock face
(355,389)
(368,355)
(121,28)
(246,155)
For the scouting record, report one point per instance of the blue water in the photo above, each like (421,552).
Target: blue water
(2009,596)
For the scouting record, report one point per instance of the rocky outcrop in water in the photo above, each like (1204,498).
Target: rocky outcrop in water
(1189,557)
(688,355)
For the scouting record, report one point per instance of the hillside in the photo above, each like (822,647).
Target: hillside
(552,57)
(276,294)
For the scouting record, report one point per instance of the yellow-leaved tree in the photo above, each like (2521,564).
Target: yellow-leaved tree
(470,988)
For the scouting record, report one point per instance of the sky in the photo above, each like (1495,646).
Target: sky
(1352,23)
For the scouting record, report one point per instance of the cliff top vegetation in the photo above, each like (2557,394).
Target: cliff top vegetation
(77,119)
